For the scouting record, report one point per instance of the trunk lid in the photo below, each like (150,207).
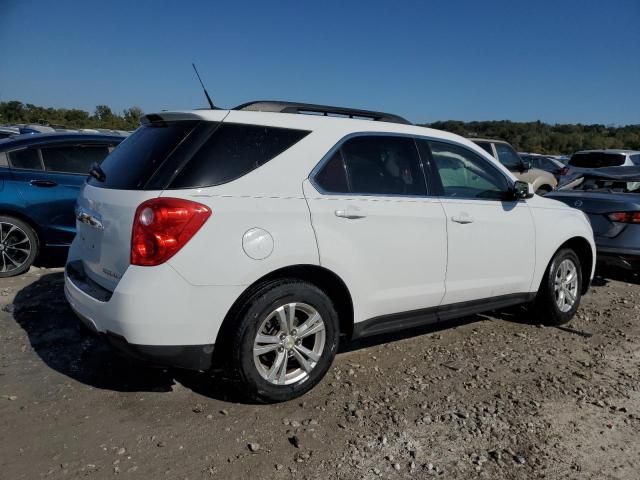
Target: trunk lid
(104,220)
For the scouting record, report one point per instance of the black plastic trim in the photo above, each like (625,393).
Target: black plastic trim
(188,357)
(416,318)
(326,110)
(75,273)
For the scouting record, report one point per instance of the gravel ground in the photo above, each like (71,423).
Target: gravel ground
(494,397)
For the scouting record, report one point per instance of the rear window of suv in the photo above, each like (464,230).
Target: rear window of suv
(192,154)
(596,160)
(233,150)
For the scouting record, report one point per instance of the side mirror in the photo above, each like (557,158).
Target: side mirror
(522,190)
(526,165)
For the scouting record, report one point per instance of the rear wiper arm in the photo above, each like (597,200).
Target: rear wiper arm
(97,173)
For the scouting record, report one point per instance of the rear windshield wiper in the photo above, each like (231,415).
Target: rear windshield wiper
(97,173)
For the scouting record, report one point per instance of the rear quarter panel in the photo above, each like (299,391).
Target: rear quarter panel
(216,256)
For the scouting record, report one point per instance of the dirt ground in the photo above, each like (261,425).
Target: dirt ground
(494,397)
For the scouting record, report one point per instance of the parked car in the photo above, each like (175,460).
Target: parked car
(543,182)
(589,159)
(610,196)
(251,239)
(546,163)
(6,132)
(40,177)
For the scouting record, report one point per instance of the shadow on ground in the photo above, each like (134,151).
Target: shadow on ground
(59,340)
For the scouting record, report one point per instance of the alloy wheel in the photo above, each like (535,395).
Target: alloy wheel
(289,343)
(15,247)
(566,285)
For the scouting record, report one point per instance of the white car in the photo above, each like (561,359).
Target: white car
(254,238)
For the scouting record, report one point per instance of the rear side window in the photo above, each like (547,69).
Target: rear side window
(73,158)
(333,176)
(132,163)
(596,160)
(383,165)
(635,159)
(374,165)
(233,150)
(27,159)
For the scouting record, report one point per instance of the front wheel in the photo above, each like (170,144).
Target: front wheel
(559,295)
(285,340)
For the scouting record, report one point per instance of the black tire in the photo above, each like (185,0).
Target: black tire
(546,308)
(15,234)
(543,190)
(264,300)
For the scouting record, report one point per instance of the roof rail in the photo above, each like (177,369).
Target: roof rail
(325,110)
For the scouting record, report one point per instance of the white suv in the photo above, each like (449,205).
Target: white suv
(252,239)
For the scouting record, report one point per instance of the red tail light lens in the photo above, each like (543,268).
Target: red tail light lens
(162,226)
(564,170)
(625,217)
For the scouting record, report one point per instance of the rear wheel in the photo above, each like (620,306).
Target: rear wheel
(285,341)
(18,246)
(559,295)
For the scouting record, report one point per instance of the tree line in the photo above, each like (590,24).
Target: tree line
(541,137)
(524,136)
(103,117)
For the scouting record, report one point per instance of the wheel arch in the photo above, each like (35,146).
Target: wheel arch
(323,278)
(583,250)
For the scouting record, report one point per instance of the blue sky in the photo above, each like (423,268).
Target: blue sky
(556,61)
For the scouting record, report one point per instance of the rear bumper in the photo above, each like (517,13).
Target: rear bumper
(629,259)
(153,314)
(189,357)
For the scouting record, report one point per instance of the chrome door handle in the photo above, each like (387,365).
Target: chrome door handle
(350,213)
(463,219)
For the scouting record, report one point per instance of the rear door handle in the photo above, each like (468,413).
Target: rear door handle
(43,183)
(352,213)
(463,219)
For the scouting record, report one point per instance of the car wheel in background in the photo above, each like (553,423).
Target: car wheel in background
(18,246)
(559,295)
(543,190)
(285,340)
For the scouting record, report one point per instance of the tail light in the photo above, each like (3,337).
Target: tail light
(564,170)
(162,226)
(625,217)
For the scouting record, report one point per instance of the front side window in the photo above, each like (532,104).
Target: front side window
(464,174)
(383,165)
(28,159)
(508,156)
(73,158)
(635,159)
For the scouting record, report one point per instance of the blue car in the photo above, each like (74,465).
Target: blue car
(40,178)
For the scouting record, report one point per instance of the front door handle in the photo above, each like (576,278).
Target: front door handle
(352,213)
(43,183)
(463,219)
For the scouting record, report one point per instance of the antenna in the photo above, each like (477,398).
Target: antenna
(206,94)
